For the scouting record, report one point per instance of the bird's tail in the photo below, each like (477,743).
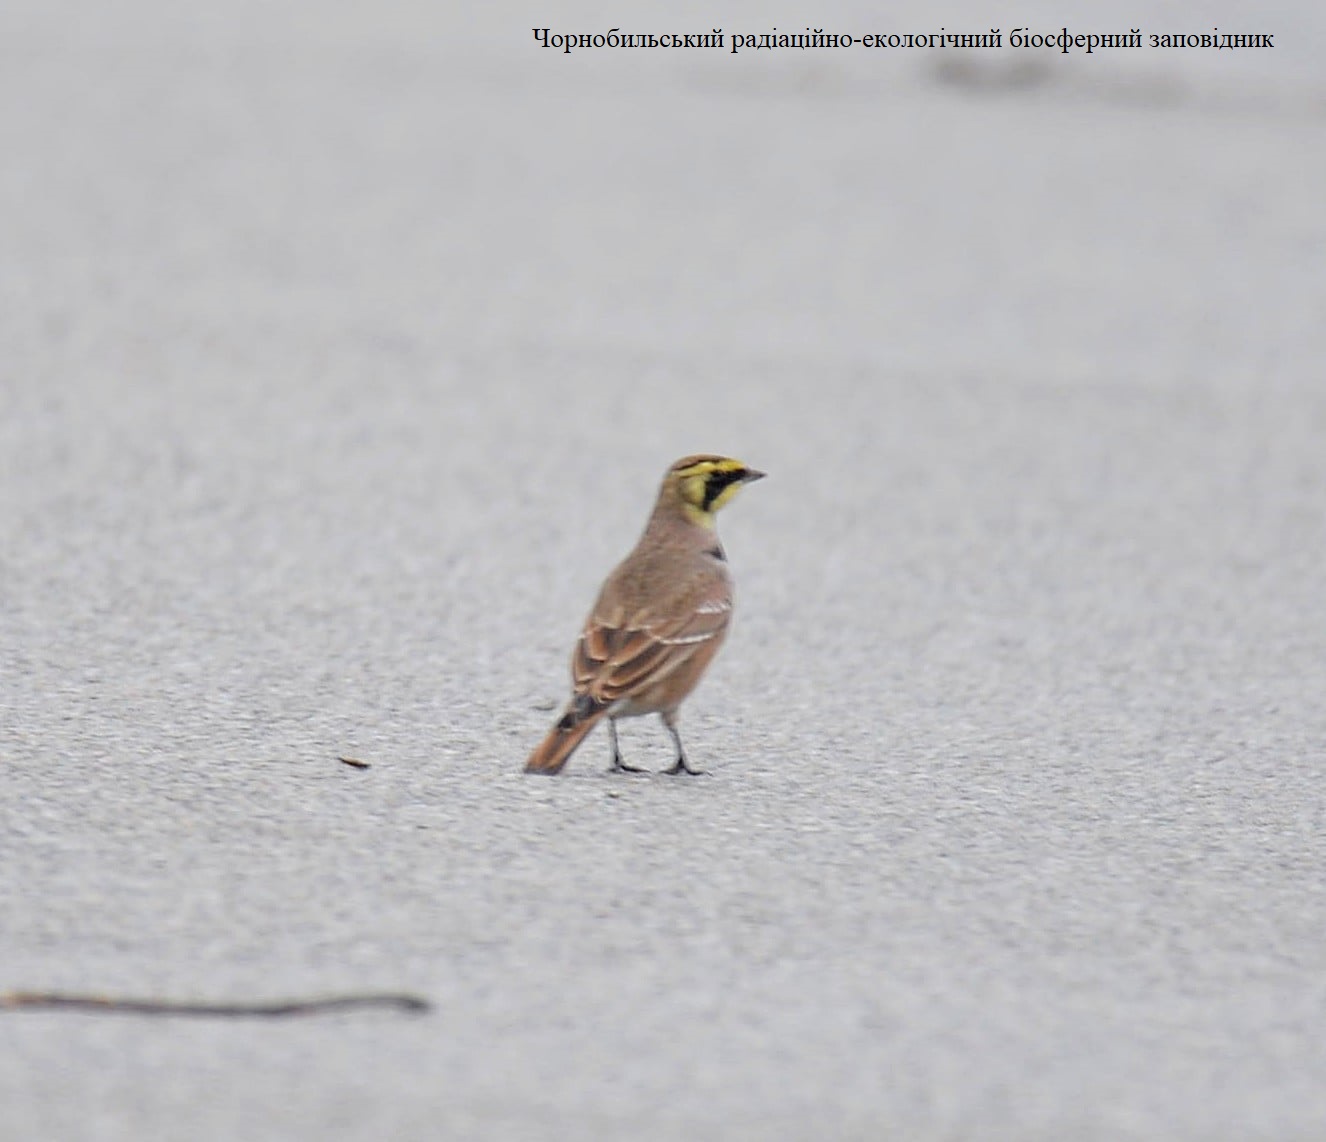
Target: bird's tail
(569,731)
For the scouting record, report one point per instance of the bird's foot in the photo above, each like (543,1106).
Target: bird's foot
(619,766)
(682,767)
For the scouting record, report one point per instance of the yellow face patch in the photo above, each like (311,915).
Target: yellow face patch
(708,483)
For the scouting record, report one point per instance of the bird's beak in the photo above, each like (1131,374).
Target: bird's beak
(751,475)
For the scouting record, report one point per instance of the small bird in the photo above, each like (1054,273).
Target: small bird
(659,619)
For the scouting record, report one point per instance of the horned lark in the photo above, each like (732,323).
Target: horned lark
(659,620)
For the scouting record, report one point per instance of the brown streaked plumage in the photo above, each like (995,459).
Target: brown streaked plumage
(659,619)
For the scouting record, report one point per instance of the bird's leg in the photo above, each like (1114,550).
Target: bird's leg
(619,766)
(680,766)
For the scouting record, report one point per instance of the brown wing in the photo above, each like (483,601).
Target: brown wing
(620,655)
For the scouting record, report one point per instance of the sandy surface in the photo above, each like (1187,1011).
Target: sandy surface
(339,359)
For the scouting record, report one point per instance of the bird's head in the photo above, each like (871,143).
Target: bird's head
(704,484)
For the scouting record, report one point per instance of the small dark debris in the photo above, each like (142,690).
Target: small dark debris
(354,762)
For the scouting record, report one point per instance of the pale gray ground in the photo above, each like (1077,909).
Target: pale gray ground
(339,357)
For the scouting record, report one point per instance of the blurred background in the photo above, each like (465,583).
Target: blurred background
(341,351)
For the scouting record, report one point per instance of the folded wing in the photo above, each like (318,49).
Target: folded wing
(621,655)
